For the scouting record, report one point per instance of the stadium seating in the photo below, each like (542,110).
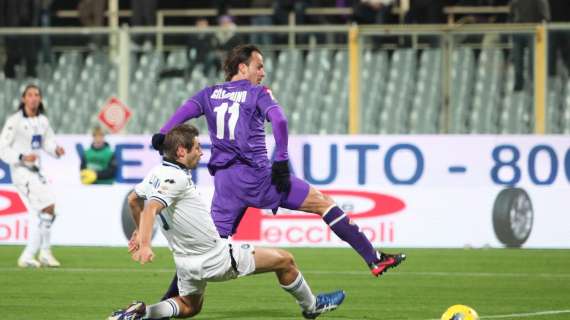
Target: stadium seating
(401,91)
(565,117)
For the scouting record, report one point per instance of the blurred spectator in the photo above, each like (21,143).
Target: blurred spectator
(376,12)
(208,49)
(92,14)
(261,20)
(481,40)
(226,39)
(200,50)
(559,41)
(340,19)
(526,11)
(144,14)
(373,11)
(425,11)
(281,11)
(201,47)
(98,163)
(222,7)
(20,13)
(482,18)
(227,36)
(45,15)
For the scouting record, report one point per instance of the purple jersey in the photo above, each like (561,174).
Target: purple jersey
(236,112)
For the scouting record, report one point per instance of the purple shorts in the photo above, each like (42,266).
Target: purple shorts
(241,186)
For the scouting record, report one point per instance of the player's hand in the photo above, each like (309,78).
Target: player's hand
(144,255)
(134,242)
(157,142)
(281,176)
(59,151)
(30,157)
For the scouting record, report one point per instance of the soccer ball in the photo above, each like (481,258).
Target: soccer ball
(460,312)
(88,176)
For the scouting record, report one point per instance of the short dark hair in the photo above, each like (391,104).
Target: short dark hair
(180,136)
(239,54)
(41,109)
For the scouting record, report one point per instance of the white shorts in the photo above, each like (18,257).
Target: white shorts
(33,188)
(194,272)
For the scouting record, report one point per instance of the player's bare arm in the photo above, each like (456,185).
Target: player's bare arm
(151,209)
(136,205)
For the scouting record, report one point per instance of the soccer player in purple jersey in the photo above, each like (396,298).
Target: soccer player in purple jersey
(244,176)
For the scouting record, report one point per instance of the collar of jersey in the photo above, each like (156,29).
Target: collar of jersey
(174,164)
(239,81)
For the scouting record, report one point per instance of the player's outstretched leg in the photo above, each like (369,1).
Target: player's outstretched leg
(172,289)
(326,302)
(291,280)
(176,307)
(135,311)
(386,262)
(347,230)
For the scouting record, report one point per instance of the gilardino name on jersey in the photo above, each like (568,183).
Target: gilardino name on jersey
(236,96)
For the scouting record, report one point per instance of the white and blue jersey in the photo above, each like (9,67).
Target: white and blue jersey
(185,221)
(22,136)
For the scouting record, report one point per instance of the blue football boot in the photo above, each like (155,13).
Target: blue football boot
(325,302)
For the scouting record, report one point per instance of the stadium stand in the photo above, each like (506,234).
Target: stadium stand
(404,87)
(401,91)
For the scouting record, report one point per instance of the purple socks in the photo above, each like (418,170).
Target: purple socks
(341,225)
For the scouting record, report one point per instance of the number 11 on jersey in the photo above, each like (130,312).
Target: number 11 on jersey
(221,111)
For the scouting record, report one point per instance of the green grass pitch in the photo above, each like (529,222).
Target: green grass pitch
(498,283)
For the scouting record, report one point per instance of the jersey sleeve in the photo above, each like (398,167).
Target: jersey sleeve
(169,188)
(266,101)
(192,108)
(49,145)
(280,133)
(7,153)
(140,189)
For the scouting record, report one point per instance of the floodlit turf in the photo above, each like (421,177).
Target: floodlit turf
(527,284)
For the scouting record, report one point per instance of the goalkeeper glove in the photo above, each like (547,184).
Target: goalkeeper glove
(280,175)
(157,142)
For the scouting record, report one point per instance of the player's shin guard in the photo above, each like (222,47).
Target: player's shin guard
(301,291)
(46,220)
(34,240)
(172,289)
(348,231)
(164,309)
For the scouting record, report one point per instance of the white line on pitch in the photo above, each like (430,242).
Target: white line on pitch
(136,268)
(522,315)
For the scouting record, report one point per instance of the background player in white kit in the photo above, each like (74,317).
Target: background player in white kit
(24,134)
(200,254)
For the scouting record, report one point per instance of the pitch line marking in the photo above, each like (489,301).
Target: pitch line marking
(324,272)
(522,315)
